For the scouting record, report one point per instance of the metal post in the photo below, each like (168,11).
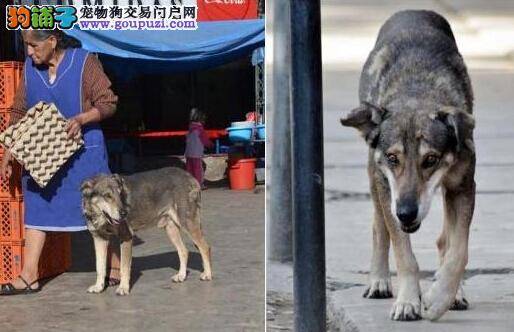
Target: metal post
(279,228)
(259,91)
(307,147)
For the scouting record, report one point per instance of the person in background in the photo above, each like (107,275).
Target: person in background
(196,142)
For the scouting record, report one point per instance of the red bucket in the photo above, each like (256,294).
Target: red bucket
(241,174)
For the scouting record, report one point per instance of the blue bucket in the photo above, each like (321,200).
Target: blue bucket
(261,131)
(240,134)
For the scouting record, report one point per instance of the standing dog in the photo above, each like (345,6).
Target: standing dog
(416,117)
(117,206)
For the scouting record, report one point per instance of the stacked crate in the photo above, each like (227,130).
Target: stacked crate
(56,256)
(11,202)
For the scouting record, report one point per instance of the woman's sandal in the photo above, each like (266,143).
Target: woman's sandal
(9,289)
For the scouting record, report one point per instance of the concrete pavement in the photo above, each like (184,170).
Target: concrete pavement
(485,35)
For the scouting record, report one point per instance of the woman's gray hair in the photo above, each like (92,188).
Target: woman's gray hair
(63,41)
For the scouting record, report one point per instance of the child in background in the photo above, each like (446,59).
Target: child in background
(196,141)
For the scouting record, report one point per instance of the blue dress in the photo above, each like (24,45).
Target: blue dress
(57,207)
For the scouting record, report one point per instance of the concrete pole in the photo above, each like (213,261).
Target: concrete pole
(279,219)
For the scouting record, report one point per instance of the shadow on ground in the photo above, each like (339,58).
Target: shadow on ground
(83,259)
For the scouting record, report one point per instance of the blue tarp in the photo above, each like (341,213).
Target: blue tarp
(212,44)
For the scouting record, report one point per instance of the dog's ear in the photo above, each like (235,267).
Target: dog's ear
(124,192)
(119,179)
(460,125)
(366,118)
(87,187)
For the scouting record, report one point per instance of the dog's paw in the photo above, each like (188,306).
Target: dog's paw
(460,302)
(406,310)
(379,289)
(460,305)
(122,290)
(96,288)
(206,276)
(179,277)
(434,305)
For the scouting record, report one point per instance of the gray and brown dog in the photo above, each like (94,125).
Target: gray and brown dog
(416,117)
(118,206)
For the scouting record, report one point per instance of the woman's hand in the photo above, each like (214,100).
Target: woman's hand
(73,127)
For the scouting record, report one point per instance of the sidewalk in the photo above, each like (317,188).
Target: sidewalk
(485,35)
(233,223)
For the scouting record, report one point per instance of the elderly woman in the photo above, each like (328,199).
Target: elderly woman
(58,71)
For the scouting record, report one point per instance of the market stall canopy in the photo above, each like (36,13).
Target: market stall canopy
(212,44)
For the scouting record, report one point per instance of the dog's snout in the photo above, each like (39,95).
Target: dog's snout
(407,211)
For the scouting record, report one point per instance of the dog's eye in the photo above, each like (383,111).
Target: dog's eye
(392,159)
(108,196)
(430,161)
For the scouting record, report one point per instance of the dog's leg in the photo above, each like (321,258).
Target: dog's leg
(460,302)
(175,238)
(408,303)
(458,211)
(379,278)
(125,268)
(196,234)
(101,264)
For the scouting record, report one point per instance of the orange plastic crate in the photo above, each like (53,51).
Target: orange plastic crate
(56,256)
(10,78)
(11,219)
(11,260)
